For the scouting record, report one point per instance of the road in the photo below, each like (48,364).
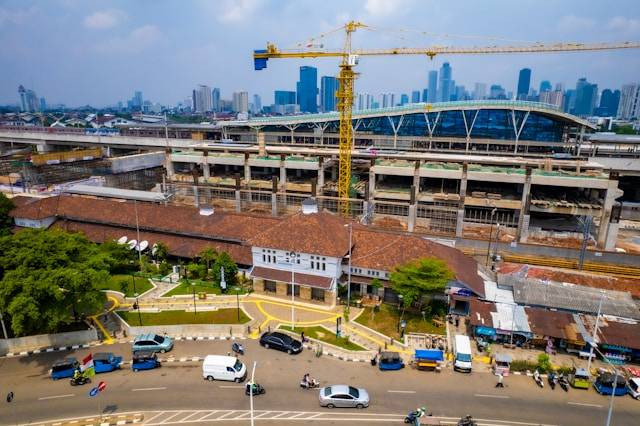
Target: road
(177,393)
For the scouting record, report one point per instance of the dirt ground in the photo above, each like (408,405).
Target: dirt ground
(588,279)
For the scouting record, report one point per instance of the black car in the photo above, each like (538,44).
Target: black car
(281,342)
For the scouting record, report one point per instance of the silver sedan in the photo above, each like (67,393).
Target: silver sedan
(343,396)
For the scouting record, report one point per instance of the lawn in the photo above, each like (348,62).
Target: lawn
(200,287)
(221,316)
(142,284)
(324,335)
(386,320)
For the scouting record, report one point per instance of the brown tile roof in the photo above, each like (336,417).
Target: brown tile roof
(619,333)
(375,249)
(285,276)
(178,245)
(544,322)
(480,312)
(317,233)
(34,208)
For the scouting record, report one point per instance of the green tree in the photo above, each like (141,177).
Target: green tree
(417,279)
(625,130)
(230,270)
(6,221)
(195,270)
(162,251)
(207,256)
(164,268)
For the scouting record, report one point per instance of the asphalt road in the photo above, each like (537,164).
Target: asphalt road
(179,386)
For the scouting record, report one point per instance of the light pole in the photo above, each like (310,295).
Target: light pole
(594,345)
(493,212)
(193,287)
(595,332)
(4,329)
(350,225)
(237,289)
(138,306)
(253,372)
(293,257)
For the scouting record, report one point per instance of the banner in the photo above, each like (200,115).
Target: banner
(87,366)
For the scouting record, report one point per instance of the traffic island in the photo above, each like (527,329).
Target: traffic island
(325,335)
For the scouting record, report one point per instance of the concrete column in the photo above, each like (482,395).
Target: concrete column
(609,197)
(247,169)
(238,197)
(196,198)
(411,220)
(320,177)
(460,222)
(612,236)
(274,196)
(522,232)
(463,194)
(363,289)
(206,172)
(372,184)
(334,172)
(262,150)
(107,151)
(416,177)
(168,165)
(283,173)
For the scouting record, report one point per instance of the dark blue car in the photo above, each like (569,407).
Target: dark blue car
(105,362)
(144,361)
(64,368)
(390,361)
(604,384)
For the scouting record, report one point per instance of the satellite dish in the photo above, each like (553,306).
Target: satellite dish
(143,245)
(122,240)
(132,244)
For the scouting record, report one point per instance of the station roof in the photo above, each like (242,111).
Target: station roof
(110,192)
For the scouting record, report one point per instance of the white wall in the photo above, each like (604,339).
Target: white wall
(32,223)
(278,259)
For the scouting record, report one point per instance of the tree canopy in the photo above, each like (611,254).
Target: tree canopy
(6,221)
(49,278)
(417,279)
(230,270)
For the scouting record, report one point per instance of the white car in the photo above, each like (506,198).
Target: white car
(634,387)
(343,396)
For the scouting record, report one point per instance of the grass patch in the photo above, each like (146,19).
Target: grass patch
(200,287)
(221,316)
(324,335)
(386,320)
(142,284)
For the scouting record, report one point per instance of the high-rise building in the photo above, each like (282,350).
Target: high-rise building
(23,98)
(497,92)
(202,99)
(569,101)
(388,100)
(240,102)
(43,104)
(586,96)
(29,101)
(307,89)
(365,101)
(404,99)
(415,97)
(556,98)
(137,101)
(433,87)
(629,106)
(284,97)
(257,104)
(479,91)
(445,84)
(545,86)
(215,100)
(425,95)
(609,101)
(328,89)
(524,80)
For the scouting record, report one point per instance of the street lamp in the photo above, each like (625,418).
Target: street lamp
(493,212)
(138,306)
(350,225)
(237,289)
(595,332)
(594,345)
(193,287)
(400,299)
(293,257)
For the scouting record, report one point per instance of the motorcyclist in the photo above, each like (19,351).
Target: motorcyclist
(77,374)
(306,379)
(420,411)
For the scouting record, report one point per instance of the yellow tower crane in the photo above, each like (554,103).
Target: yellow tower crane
(349,59)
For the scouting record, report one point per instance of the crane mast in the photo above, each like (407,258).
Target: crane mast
(347,76)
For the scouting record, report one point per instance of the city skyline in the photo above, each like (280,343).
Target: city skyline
(122,47)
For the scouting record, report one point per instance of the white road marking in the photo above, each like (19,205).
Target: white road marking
(207,415)
(56,396)
(230,387)
(226,414)
(401,391)
(481,395)
(169,418)
(584,404)
(147,389)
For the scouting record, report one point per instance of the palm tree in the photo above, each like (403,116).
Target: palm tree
(207,256)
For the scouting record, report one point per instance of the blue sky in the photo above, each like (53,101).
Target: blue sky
(98,52)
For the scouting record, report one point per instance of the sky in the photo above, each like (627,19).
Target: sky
(98,52)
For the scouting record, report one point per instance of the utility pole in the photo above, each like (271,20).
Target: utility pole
(595,333)
(586,233)
(253,372)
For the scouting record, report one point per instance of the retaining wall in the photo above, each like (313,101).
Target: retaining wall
(186,330)
(28,343)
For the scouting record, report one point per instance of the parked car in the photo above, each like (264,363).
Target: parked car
(152,342)
(64,368)
(343,396)
(105,362)
(144,360)
(390,361)
(633,386)
(281,342)
(604,384)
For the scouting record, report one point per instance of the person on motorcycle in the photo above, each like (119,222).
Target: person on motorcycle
(420,411)
(77,374)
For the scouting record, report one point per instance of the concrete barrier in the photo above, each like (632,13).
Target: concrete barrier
(188,330)
(40,341)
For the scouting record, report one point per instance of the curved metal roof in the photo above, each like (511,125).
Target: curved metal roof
(417,108)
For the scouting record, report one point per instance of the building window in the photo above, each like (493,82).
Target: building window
(264,258)
(324,266)
(313,264)
(317,294)
(269,286)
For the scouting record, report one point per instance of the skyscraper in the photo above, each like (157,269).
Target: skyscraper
(284,97)
(445,86)
(629,106)
(415,97)
(569,101)
(307,89)
(202,99)
(479,91)
(257,104)
(433,87)
(545,86)
(388,100)
(404,99)
(586,95)
(23,98)
(137,101)
(425,95)
(43,104)
(240,102)
(328,89)
(29,101)
(609,101)
(524,80)
(215,100)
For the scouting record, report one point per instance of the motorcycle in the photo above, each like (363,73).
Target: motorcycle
(538,379)
(467,421)
(553,380)
(309,384)
(415,414)
(254,389)
(237,348)
(79,381)
(564,383)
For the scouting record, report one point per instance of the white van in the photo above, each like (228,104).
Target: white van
(463,354)
(220,367)
(634,387)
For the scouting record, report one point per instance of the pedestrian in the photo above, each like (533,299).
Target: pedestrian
(302,336)
(500,380)
(457,321)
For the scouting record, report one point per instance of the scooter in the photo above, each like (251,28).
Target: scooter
(79,381)
(254,389)
(538,379)
(553,380)
(467,421)
(413,415)
(237,348)
(564,383)
(310,384)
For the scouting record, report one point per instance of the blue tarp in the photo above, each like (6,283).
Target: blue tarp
(481,330)
(429,354)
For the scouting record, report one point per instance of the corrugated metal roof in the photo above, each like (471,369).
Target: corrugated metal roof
(126,194)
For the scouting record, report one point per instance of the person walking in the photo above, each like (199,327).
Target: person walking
(500,383)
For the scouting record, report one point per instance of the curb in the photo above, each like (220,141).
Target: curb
(50,349)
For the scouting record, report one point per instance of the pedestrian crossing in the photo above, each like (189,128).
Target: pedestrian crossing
(213,416)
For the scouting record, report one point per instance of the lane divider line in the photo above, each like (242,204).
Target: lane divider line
(148,389)
(43,398)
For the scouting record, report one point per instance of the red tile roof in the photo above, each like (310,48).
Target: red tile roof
(544,322)
(286,276)
(480,312)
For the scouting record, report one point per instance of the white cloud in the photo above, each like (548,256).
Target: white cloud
(16,17)
(104,19)
(625,25)
(385,8)
(139,39)
(571,23)
(238,10)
